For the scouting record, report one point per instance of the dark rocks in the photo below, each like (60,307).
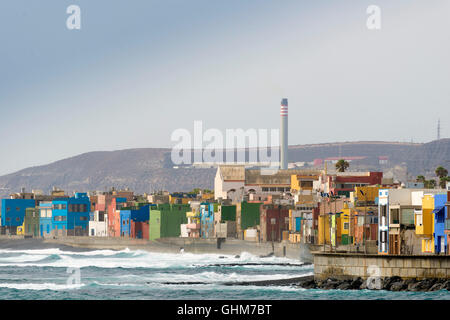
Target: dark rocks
(391,284)
(344,286)
(356,284)
(310,284)
(436,287)
(398,286)
(387,282)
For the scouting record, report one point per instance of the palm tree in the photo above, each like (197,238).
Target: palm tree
(342,165)
(430,184)
(420,179)
(443,182)
(441,172)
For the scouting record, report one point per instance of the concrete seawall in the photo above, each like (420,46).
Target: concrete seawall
(345,266)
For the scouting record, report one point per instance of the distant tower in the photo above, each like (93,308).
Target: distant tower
(284,134)
(439,130)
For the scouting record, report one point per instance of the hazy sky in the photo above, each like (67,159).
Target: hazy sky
(139,69)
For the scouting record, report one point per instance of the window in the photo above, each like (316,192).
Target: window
(383,236)
(8,209)
(345,225)
(8,219)
(17,219)
(395,213)
(83,218)
(60,218)
(17,209)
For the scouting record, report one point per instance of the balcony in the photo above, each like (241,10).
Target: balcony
(447,224)
(193,226)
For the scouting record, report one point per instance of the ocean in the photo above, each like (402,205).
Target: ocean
(56,274)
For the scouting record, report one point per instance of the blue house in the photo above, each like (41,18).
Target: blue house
(13,211)
(45,219)
(141,214)
(71,215)
(206,220)
(440,214)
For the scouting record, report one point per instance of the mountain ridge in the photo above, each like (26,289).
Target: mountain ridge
(149,169)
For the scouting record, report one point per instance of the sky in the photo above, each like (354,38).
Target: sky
(137,70)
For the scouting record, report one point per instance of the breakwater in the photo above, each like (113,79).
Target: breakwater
(347,266)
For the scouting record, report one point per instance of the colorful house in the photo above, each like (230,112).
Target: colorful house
(114,215)
(346,238)
(70,216)
(166,220)
(31,222)
(127,215)
(207,220)
(45,219)
(13,213)
(274,220)
(430,223)
(193,223)
(440,213)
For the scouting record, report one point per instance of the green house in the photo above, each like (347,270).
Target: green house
(31,222)
(165,220)
(249,215)
(228,213)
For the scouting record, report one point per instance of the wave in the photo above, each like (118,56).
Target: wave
(127,259)
(40,286)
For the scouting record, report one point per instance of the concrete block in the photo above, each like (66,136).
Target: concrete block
(426,263)
(448,273)
(435,263)
(445,262)
(386,272)
(420,273)
(441,273)
(416,263)
(399,263)
(403,272)
(430,272)
(412,272)
(396,272)
(387,263)
(407,263)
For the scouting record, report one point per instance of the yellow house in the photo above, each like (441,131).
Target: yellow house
(323,231)
(302,186)
(424,222)
(364,194)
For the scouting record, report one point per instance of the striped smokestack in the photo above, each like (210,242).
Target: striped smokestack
(284,134)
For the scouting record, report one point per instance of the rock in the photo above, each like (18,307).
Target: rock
(237,256)
(310,284)
(436,287)
(363,285)
(426,284)
(344,286)
(414,286)
(398,286)
(446,285)
(387,282)
(356,284)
